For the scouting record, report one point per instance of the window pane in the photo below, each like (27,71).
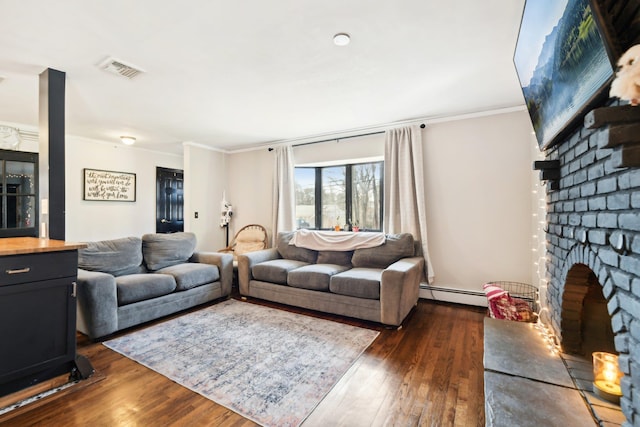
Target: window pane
(365,202)
(20,177)
(305,187)
(333,196)
(357,201)
(18,193)
(20,211)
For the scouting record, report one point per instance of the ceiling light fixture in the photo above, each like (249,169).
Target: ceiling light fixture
(341,39)
(121,68)
(127,140)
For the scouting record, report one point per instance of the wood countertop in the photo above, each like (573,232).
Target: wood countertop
(30,245)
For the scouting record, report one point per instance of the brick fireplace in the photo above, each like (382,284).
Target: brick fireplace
(593,245)
(592,228)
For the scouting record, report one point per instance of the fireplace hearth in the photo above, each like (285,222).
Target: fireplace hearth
(527,383)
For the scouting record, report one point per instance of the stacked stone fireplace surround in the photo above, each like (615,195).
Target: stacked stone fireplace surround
(593,224)
(593,239)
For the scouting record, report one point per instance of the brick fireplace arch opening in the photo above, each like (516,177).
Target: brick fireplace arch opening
(585,322)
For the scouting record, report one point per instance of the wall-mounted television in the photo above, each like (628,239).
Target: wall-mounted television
(563,63)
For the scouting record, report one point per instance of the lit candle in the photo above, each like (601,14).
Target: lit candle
(606,376)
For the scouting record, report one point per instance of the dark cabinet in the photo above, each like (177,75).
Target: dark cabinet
(37,317)
(18,193)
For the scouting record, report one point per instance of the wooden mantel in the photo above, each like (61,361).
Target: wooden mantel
(30,245)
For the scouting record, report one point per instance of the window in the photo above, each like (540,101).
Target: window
(18,193)
(305,187)
(344,195)
(333,197)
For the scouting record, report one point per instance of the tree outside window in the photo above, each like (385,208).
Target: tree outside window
(305,188)
(334,195)
(366,199)
(345,195)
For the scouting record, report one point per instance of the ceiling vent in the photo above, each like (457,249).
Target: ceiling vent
(116,66)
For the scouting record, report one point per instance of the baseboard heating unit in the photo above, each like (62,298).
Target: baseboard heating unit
(455,295)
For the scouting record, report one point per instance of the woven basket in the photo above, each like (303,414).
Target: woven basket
(523,291)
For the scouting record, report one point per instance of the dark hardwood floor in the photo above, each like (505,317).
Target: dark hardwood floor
(428,373)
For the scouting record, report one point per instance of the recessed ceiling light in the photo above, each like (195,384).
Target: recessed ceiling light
(341,39)
(128,140)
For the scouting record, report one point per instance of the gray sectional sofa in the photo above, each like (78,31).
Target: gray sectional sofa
(379,284)
(128,281)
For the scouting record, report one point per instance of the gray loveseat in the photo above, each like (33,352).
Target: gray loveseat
(379,284)
(128,281)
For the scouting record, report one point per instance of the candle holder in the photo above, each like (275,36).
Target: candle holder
(606,376)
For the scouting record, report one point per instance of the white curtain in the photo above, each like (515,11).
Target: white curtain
(404,204)
(283,192)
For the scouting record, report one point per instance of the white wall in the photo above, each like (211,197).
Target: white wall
(249,188)
(363,148)
(93,220)
(478,192)
(250,174)
(478,189)
(204,173)
(204,182)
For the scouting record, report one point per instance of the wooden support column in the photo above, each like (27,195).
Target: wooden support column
(51,148)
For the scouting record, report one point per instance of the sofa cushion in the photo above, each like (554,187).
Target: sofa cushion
(275,271)
(191,274)
(396,247)
(164,250)
(139,287)
(116,257)
(357,282)
(288,251)
(335,257)
(315,276)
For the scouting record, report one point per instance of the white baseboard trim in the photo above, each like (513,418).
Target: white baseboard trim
(455,295)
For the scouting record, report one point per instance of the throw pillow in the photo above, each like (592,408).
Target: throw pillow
(335,257)
(116,256)
(395,247)
(243,247)
(164,250)
(249,240)
(293,252)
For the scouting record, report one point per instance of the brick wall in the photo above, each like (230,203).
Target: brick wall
(594,221)
(593,226)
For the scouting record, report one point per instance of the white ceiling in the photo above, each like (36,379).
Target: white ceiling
(234,74)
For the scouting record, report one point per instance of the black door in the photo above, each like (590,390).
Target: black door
(169,200)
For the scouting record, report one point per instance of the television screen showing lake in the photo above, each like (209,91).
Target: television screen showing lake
(561,61)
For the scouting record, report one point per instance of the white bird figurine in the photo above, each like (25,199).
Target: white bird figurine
(626,85)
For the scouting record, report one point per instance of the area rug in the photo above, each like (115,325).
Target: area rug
(268,365)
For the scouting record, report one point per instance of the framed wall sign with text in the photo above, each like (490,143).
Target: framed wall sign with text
(109,186)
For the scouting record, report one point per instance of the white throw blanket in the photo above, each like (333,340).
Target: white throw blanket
(336,240)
